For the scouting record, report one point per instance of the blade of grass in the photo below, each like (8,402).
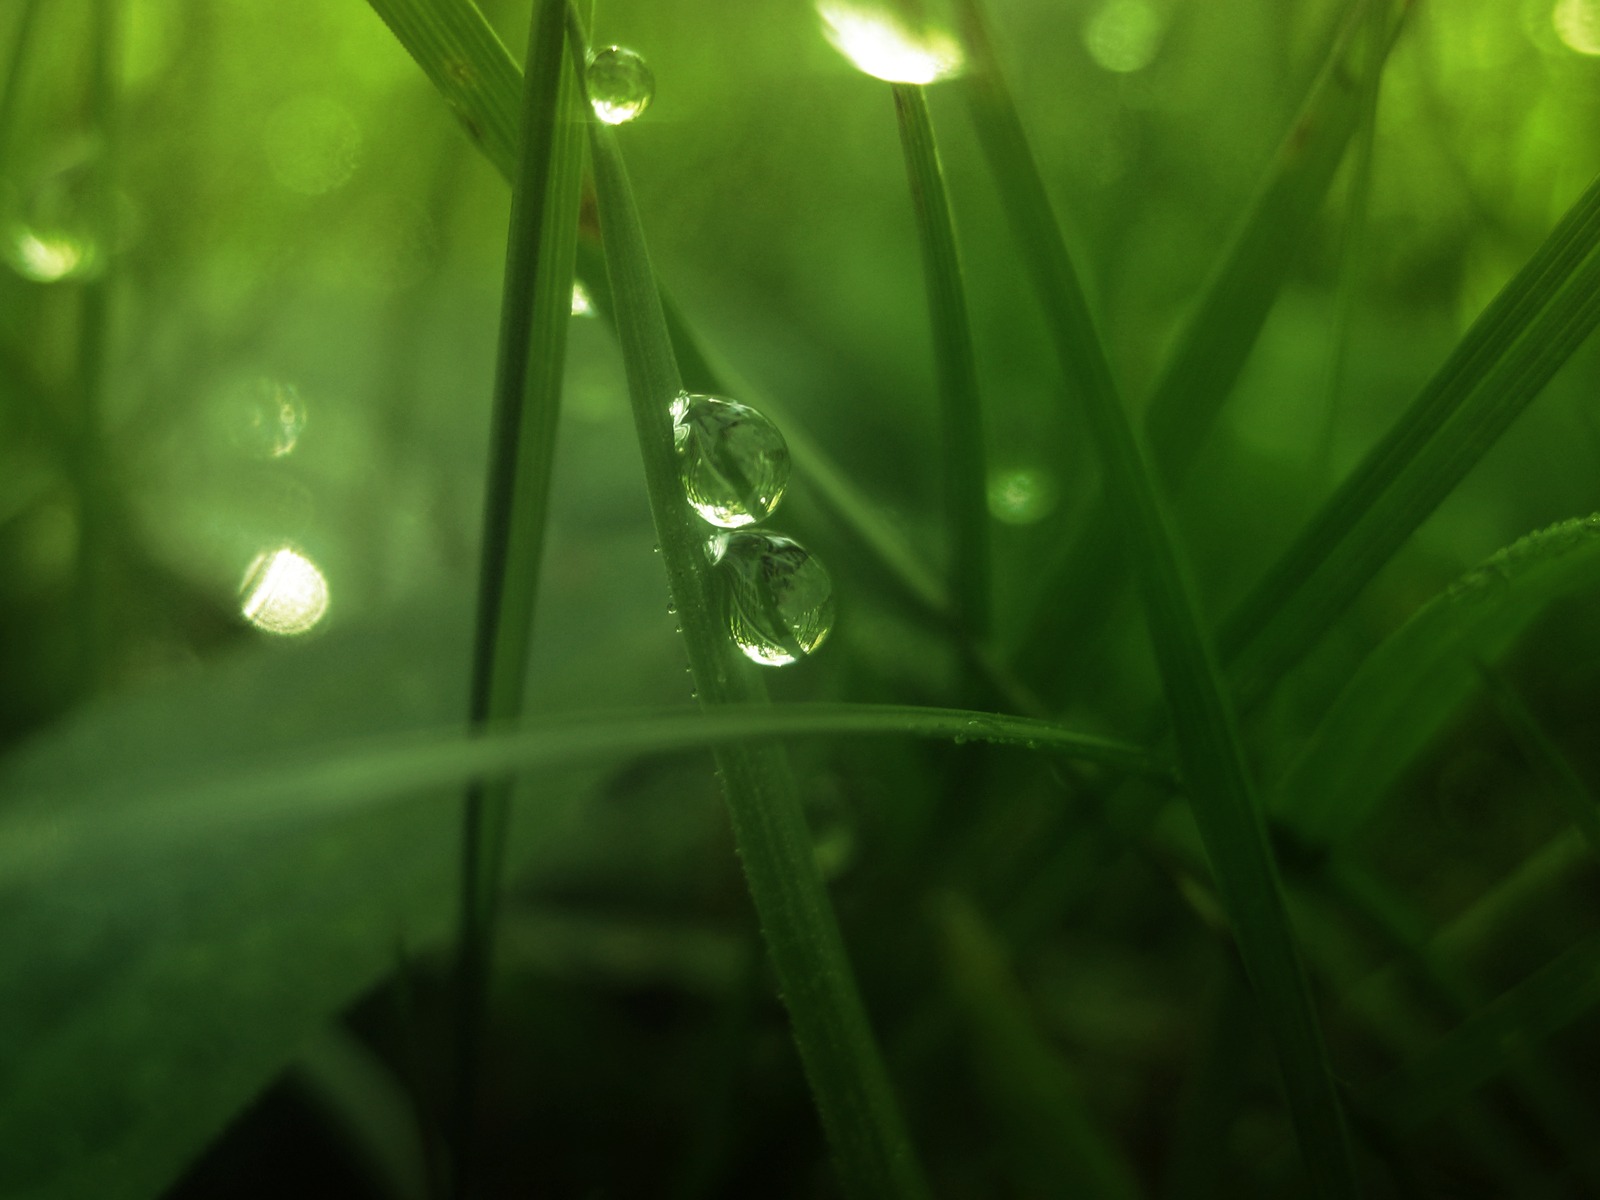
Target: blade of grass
(961,411)
(335,779)
(1574,795)
(1512,350)
(1057,1146)
(1482,1047)
(1409,686)
(27,23)
(1200,370)
(859,1113)
(534,316)
(1209,754)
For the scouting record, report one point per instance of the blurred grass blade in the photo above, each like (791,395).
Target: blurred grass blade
(1577,799)
(460,53)
(20,53)
(1200,370)
(1214,1089)
(535,312)
(961,410)
(1210,758)
(1481,1048)
(836,1045)
(1056,1146)
(1409,687)
(1513,349)
(323,785)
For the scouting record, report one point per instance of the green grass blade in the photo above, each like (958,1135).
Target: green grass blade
(1482,1047)
(1056,1145)
(1200,370)
(1408,688)
(1577,799)
(837,1049)
(1512,350)
(323,784)
(1210,758)
(531,354)
(961,411)
(460,53)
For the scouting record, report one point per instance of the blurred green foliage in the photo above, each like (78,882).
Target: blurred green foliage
(275,214)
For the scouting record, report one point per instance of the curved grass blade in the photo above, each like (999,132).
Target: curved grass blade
(1512,350)
(836,1045)
(961,410)
(1482,1047)
(1210,758)
(1407,688)
(1200,370)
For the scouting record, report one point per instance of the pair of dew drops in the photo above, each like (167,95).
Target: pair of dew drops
(734,466)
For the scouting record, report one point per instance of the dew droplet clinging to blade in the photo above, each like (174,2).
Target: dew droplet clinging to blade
(732,460)
(878,43)
(779,597)
(620,84)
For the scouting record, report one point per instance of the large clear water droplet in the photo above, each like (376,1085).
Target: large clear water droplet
(620,84)
(780,599)
(48,226)
(733,461)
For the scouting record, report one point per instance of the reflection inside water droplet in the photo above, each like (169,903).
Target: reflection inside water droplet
(620,84)
(1021,495)
(1577,24)
(780,599)
(284,592)
(1124,35)
(878,43)
(732,460)
(261,415)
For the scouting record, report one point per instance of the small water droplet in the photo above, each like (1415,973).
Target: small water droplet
(582,306)
(733,461)
(780,599)
(620,84)
(878,43)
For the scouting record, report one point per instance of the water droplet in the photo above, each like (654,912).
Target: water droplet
(733,461)
(261,415)
(878,43)
(1124,35)
(1021,495)
(284,592)
(1577,24)
(780,599)
(582,306)
(620,84)
(49,226)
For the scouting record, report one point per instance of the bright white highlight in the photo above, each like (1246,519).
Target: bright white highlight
(876,42)
(284,593)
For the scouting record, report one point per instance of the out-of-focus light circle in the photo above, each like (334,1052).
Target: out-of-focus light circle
(1577,24)
(284,592)
(1124,35)
(312,144)
(878,43)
